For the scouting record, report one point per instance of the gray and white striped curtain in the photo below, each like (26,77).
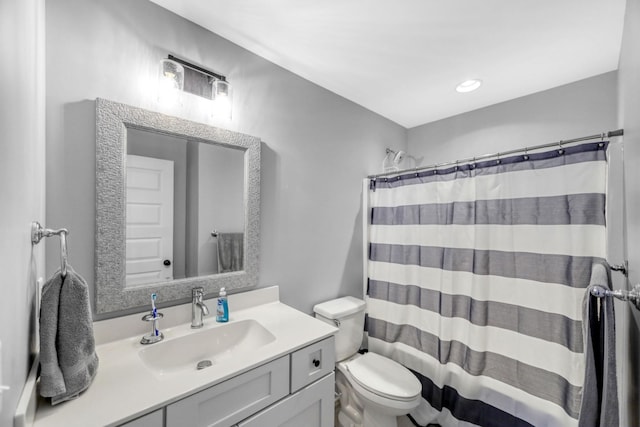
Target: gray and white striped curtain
(476,276)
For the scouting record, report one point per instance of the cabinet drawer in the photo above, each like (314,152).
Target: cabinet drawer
(312,363)
(234,399)
(313,406)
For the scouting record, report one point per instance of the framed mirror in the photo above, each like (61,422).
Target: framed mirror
(177,206)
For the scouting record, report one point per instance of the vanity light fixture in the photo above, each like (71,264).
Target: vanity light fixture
(202,82)
(469,85)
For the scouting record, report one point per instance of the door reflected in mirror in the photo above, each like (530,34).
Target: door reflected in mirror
(184,208)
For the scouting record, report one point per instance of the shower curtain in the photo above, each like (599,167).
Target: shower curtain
(476,276)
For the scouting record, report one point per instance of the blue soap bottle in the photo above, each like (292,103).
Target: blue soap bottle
(222,309)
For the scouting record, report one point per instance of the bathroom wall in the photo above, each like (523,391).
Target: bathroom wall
(629,118)
(582,108)
(22,189)
(316,148)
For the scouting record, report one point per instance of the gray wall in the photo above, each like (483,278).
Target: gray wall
(21,189)
(629,118)
(582,108)
(316,149)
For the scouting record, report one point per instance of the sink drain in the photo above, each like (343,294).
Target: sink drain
(203,364)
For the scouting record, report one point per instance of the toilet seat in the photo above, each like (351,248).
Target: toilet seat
(384,377)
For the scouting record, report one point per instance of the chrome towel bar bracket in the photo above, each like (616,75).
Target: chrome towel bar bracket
(622,268)
(38,232)
(632,295)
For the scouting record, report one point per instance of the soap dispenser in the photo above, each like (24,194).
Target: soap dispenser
(222,309)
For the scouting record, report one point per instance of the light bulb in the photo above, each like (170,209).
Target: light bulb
(170,81)
(222,97)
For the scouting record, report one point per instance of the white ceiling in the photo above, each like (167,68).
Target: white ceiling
(403,59)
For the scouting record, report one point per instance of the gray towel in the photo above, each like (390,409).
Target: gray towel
(599,406)
(230,252)
(68,360)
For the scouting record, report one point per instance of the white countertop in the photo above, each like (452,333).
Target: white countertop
(125,388)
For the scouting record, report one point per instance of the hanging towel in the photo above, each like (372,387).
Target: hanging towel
(230,252)
(68,360)
(600,393)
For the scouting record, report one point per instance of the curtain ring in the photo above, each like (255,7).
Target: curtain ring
(526,155)
(561,150)
(63,253)
(498,159)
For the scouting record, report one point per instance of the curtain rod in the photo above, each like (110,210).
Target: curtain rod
(610,134)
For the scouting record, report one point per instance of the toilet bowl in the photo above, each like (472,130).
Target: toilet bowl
(385,388)
(373,389)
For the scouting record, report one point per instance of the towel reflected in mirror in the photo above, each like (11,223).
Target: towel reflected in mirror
(230,252)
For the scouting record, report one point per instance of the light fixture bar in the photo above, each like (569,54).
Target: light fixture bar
(197,68)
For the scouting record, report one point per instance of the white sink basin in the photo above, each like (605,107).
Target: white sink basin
(212,344)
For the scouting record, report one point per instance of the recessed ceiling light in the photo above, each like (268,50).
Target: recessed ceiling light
(469,85)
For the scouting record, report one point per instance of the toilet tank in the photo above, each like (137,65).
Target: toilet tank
(347,314)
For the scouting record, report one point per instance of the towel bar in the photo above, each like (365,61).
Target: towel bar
(632,295)
(38,232)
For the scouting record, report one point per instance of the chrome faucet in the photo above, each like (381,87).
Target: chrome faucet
(198,308)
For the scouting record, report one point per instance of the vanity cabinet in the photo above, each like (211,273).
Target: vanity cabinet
(277,370)
(292,391)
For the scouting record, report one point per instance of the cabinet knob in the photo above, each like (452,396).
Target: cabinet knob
(316,362)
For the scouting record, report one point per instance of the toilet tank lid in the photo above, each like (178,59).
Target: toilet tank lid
(340,307)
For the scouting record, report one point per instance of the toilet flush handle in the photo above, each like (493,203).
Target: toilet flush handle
(336,322)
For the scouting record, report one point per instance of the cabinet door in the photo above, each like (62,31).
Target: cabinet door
(232,400)
(154,419)
(312,406)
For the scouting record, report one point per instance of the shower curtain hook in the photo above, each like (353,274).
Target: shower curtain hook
(602,135)
(526,155)
(498,159)
(561,150)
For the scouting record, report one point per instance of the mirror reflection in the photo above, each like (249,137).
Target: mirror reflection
(184,208)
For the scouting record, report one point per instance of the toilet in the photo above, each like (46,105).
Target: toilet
(373,389)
